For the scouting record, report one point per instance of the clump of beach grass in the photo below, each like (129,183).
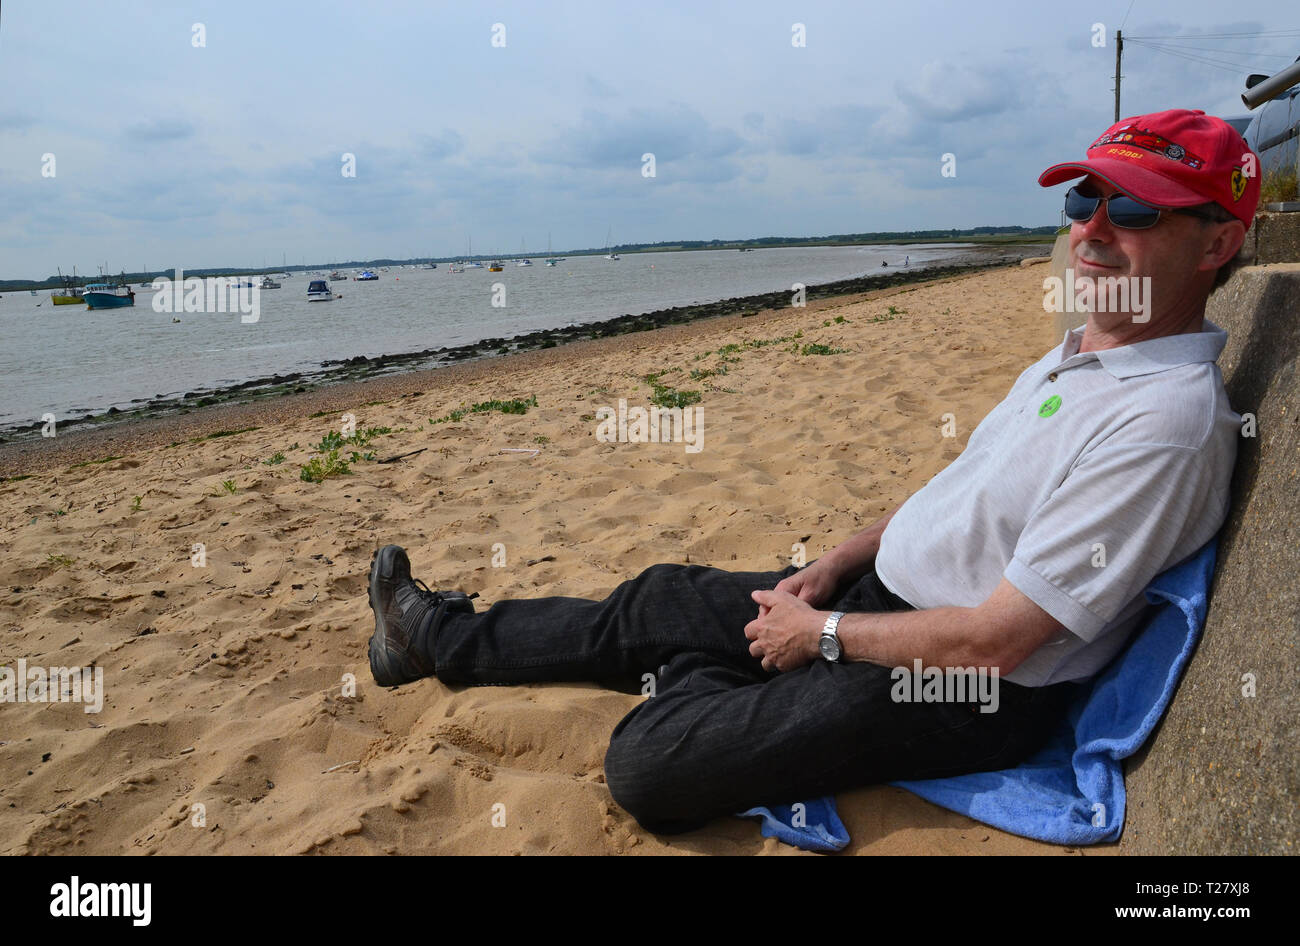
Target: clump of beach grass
(666,396)
(222,433)
(514,406)
(319,469)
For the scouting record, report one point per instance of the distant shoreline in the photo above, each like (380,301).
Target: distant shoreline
(981,240)
(13,439)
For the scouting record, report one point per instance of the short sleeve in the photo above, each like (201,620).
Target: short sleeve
(1122,515)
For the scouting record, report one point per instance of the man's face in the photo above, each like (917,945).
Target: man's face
(1173,254)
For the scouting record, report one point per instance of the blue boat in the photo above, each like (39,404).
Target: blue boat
(366,276)
(104,295)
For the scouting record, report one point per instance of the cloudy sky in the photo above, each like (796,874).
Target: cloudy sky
(167,152)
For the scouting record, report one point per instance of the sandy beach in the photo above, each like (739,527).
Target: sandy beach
(241,685)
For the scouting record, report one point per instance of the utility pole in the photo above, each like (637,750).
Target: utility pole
(1119,53)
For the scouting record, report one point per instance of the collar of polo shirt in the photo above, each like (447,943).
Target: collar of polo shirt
(1152,355)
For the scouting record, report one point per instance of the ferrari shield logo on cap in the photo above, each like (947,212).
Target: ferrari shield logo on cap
(1238,183)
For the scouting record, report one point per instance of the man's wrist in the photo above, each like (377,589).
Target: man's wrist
(845,568)
(813,641)
(821,617)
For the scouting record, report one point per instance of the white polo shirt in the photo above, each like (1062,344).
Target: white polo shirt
(1097,472)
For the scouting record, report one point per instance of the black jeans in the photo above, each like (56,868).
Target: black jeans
(721,734)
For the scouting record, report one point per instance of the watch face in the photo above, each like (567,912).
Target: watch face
(830,647)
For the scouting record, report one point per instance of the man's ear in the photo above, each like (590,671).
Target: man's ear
(1228,238)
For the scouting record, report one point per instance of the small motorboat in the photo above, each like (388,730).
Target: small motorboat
(268,283)
(524,262)
(455,268)
(318,290)
(336,276)
(366,276)
(493,267)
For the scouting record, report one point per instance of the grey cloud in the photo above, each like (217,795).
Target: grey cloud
(442,145)
(160,129)
(603,141)
(943,93)
(593,86)
(16,121)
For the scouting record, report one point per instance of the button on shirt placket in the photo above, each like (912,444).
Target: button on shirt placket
(1049,384)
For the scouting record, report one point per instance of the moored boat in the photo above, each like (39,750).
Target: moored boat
(268,283)
(103,295)
(318,290)
(366,276)
(495,266)
(69,294)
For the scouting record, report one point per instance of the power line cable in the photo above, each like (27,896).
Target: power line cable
(1205,59)
(1232,67)
(1130,10)
(1220,35)
(1233,52)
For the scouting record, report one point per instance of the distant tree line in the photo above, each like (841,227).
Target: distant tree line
(878,236)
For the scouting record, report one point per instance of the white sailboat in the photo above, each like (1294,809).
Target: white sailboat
(551,260)
(608,254)
(469,263)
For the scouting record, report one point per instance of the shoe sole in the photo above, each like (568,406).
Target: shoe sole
(381,569)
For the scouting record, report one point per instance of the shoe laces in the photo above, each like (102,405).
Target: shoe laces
(435,597)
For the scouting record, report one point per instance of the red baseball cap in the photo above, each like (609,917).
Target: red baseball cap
(1178,158)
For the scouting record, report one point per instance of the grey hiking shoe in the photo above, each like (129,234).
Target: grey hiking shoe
(407,615)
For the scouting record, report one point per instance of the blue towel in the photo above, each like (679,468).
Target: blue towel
(1072,790)
(1057,794)
(820,827)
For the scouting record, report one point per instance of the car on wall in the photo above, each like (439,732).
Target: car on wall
(1274,129)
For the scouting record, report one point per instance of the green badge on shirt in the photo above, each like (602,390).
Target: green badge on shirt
(1048,407)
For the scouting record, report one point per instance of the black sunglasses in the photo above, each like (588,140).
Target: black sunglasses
(1123,211)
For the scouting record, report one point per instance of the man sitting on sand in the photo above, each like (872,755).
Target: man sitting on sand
(1107,463)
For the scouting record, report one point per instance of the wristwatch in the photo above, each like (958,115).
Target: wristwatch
(829,642)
